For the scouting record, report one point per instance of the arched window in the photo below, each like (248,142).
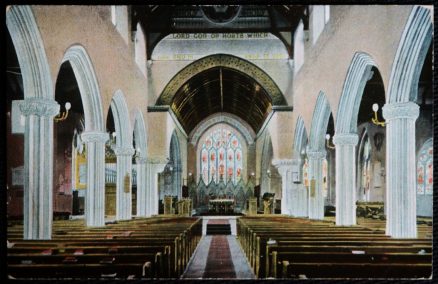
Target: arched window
(425,169)
(221,157)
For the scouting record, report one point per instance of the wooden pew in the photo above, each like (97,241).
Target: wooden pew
(301,243)
(164,244)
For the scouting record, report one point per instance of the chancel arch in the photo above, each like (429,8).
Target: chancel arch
(401,112)
(225,61)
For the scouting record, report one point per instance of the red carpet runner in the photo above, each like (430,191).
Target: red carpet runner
(219,263)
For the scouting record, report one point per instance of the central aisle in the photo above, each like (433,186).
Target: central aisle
(218,257)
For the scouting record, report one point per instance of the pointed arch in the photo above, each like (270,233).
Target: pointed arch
(232,120)
(88,87)
(224,60)
(121,120)
(30,51)
(140,133)
(320,121)
(175,157)
(358,74)
(267,154)
(300,137)
(410,56)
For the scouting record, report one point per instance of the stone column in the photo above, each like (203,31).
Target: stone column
(316,202)
(38,167)
(285,169)
(154,168)
(95,192)
(401,169)
(141,186)
(302,201)
(124,183)
(298,196)
(345,178)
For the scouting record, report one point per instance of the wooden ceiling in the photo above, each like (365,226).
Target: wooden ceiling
(221,90)
(158,21)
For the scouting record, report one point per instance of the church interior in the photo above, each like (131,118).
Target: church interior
(219,142)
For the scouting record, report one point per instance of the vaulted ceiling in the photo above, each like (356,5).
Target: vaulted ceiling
(221,90)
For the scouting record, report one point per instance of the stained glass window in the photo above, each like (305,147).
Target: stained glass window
(221,157)
(425,169)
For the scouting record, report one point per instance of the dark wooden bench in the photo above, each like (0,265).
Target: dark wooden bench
(161,248)
(281,244)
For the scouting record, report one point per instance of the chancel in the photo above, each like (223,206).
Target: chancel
(219,142)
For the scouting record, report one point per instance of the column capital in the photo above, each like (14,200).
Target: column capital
(283,165)
(39,107)
(401,110)
(282,162)
(141,160)
(316,154)
(346,139)
(157,161)
(94,136)
(124,151)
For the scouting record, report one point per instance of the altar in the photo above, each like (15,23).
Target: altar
(221,205)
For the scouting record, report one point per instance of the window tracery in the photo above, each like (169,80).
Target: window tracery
(221,157)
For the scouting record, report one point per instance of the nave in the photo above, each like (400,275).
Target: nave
(268,247)
(308,128)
